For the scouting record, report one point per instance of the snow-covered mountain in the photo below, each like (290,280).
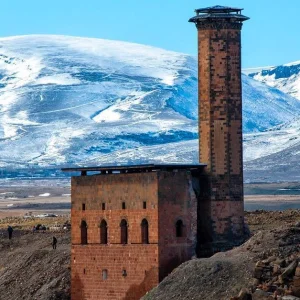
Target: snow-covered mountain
(68,100)
(273,155)
(269,155)
(285,78)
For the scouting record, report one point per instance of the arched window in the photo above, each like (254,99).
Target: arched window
(103,232)
(145,231)
(124,232)
(83,232)
(179,228)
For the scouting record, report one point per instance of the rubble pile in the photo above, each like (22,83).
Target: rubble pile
(266,267)
(276,274)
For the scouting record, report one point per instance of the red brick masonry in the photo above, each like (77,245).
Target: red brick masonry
(220,128)
(169,197)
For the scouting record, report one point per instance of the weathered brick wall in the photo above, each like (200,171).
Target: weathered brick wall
(220,128)
(139,260)
(88,262)
(177,200)
(113,190)
(169,196)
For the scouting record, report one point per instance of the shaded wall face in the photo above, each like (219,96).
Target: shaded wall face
(140,261)
(177,201)
(220,128)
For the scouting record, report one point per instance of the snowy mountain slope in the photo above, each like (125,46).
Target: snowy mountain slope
(64,98)
(285,78)
(279,138)
(263,106)
(283,165)
(273,155)
(67,100)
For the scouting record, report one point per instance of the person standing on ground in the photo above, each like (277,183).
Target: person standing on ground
(10,231)
(54,242)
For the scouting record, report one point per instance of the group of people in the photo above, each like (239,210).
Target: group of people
(10,232)
(39,227)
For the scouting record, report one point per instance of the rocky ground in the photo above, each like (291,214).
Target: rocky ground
(265,267)
(268,220)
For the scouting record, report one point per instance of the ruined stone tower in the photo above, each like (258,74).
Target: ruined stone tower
(221,205)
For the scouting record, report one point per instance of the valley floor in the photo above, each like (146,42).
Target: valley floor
(51,197)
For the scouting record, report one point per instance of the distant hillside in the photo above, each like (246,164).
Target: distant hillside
(80,101)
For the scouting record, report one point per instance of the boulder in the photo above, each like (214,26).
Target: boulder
(276,270)
(297,271)
(290,298)
(244,295)
(261,295)
(296,286)
(290,270)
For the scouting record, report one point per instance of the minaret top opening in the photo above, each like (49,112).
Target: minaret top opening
(228,14)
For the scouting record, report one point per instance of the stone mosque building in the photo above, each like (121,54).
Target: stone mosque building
(132,225)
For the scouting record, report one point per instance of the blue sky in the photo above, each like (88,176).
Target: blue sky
(271,37)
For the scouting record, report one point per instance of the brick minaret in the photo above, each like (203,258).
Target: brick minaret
(221,209)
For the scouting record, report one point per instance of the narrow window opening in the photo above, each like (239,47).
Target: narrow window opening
(103,232)
(104,274)
(144,205)
(124,273)
(145,231)
(83,271)
(103,206)
(123,205)
(83,206)
(124,232)
(83,233)
(179,228)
